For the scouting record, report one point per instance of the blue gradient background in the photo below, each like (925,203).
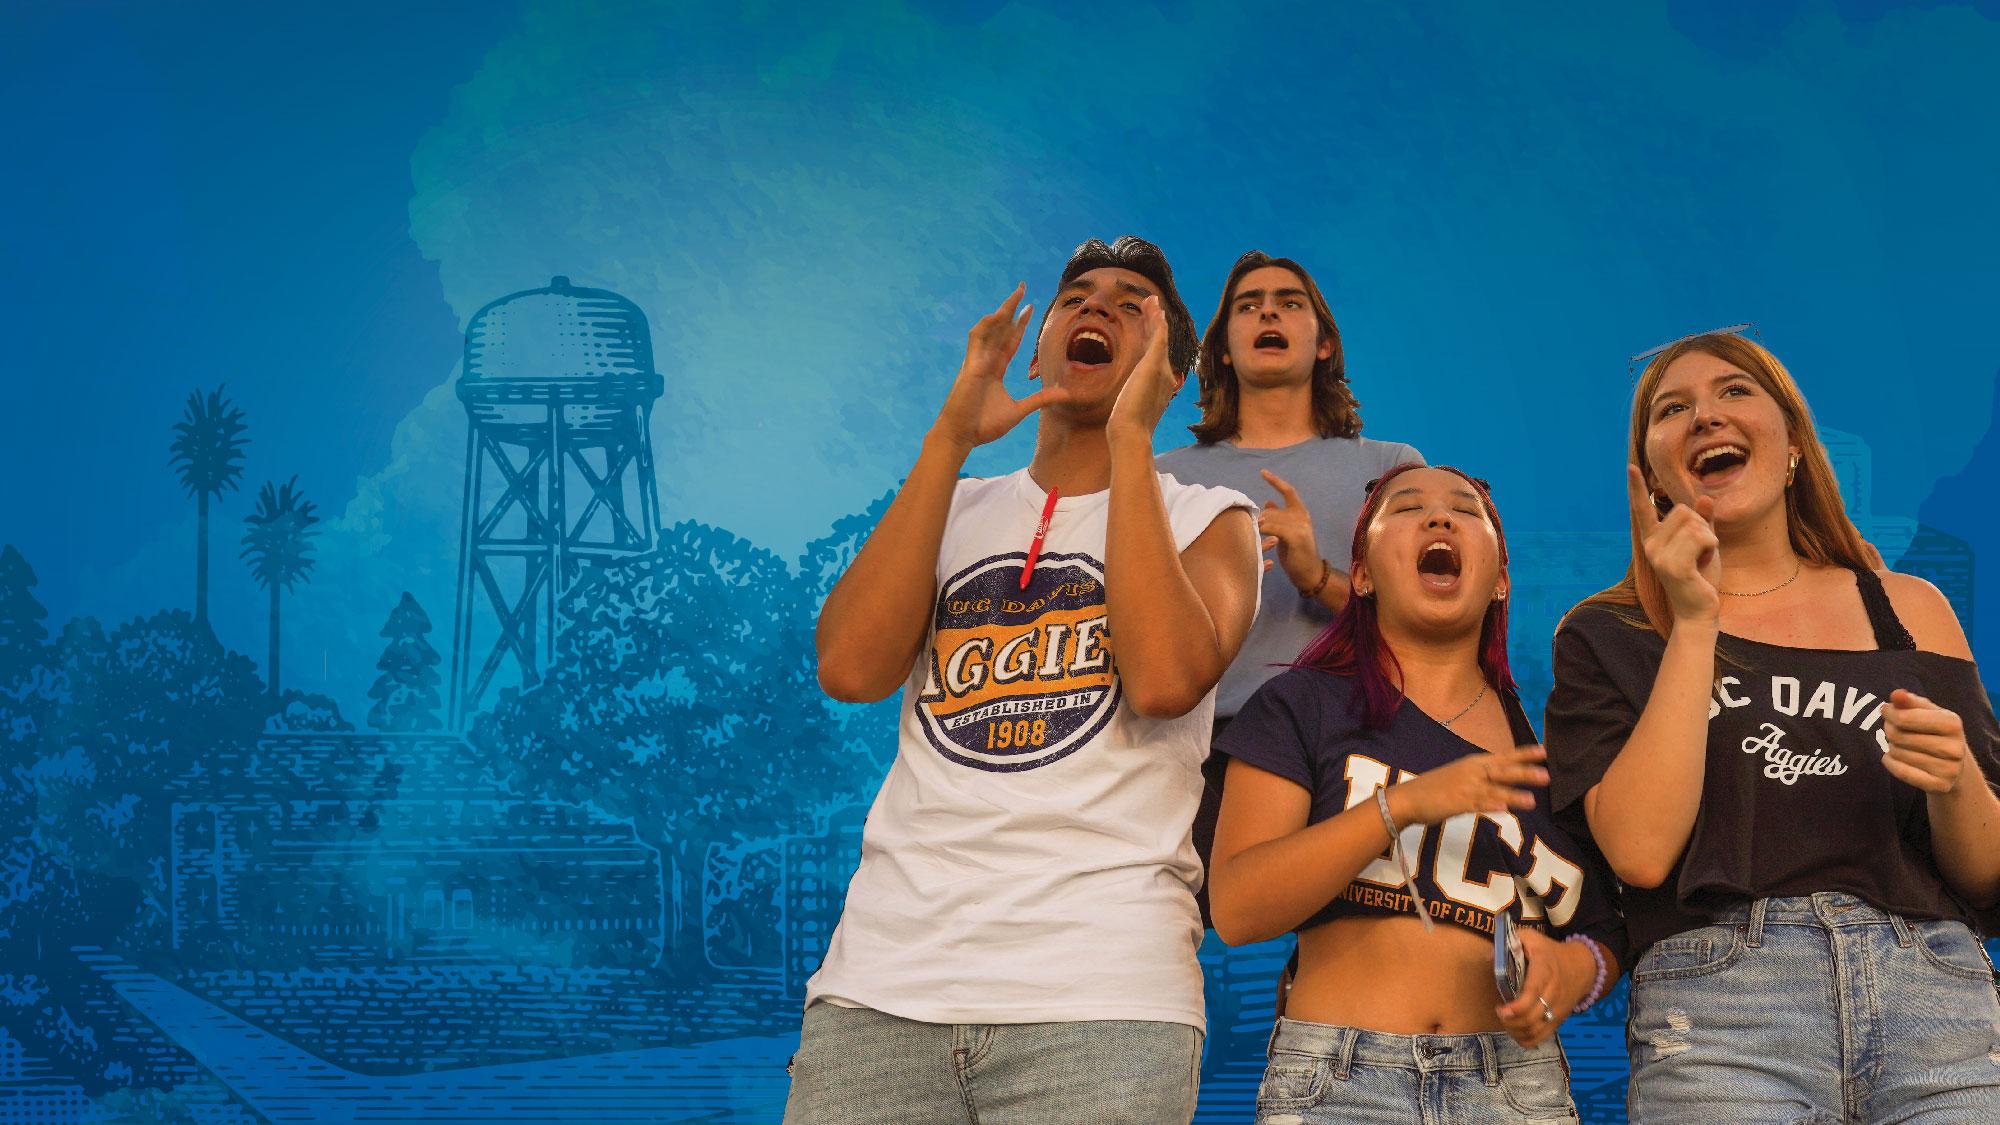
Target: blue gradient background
(812,206)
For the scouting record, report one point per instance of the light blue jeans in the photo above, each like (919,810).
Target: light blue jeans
(1815,1011)
(858,1066)
(1321,1074)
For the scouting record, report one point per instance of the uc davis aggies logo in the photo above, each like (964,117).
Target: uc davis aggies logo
(1019,678)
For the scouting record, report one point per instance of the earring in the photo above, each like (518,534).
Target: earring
(1792,471)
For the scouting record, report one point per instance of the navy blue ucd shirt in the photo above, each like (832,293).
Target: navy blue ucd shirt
(1304,726)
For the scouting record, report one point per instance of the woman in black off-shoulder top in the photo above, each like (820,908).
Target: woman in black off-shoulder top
(1787,757)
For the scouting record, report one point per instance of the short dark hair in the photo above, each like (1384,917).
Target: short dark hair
(1130,252)
(1335,413)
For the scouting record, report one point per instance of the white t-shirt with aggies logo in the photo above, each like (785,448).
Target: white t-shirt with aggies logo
(1029,857)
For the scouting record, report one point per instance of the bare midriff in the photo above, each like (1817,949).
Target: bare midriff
(1391,975)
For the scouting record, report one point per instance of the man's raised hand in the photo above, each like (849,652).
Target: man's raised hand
(1144,397)
(1288,527)
(979,409)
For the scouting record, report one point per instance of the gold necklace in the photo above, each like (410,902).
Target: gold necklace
(1797,569)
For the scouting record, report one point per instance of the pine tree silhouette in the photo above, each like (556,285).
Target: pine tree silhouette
(406,693)
(278,547)
(208,450)
(21,631)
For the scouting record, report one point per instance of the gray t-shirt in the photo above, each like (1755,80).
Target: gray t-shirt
(1330,474)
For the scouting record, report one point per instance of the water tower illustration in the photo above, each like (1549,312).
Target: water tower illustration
(558,386)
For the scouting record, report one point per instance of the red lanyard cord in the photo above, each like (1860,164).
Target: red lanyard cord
(1041,533)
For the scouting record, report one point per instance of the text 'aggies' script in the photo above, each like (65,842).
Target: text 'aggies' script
(1017,678)
(1785,697)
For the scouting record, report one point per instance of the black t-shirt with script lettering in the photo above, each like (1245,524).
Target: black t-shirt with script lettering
(1795,799)
(1304,726)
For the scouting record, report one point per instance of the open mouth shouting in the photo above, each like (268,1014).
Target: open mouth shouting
(1088,348)
(1271,340)
(1438,565)
(1719,464)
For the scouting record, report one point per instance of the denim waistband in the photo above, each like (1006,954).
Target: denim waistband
(1490,1052)
(1826,909)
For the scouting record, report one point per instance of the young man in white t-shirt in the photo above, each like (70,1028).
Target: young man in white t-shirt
(1019,942)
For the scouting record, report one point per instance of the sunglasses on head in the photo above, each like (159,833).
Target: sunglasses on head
(1637,363)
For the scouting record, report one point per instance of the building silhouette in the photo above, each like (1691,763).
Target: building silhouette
(1908,546)
(1241,996)
(1946,562)
(33,1091)
(373,849)
(816,873)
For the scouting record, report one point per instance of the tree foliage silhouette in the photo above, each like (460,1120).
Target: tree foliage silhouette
(93,737)
(29,691)
(406,693)
(305,711)
(134,711)
(866,731)
(22,634)
(208,451)
(277,543)
(680,694)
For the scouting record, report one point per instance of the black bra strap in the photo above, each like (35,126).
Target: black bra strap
(1517,720)
(1889,631)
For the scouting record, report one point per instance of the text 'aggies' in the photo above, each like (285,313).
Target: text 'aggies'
(1016,678)
(1049,651)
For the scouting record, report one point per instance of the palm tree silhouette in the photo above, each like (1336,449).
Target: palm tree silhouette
(278,547)
(208,450)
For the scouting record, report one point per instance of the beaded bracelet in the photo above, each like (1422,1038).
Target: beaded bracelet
(1597,986)
(1325,573)
(1396,854)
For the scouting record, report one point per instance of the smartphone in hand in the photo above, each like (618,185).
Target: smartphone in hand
(1510,959)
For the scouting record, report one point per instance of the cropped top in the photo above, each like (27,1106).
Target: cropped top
(1305,726)
(1794,796)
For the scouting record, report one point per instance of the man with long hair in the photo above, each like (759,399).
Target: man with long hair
(1019,942)
(1278,420)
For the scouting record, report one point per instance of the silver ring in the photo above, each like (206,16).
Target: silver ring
(1548,1013)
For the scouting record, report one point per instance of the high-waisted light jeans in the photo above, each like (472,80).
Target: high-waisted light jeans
(1321,1074)
(1819,1010)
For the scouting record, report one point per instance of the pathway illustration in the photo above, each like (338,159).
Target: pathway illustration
(736,1079)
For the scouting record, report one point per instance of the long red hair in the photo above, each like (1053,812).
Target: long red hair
(1353,646)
